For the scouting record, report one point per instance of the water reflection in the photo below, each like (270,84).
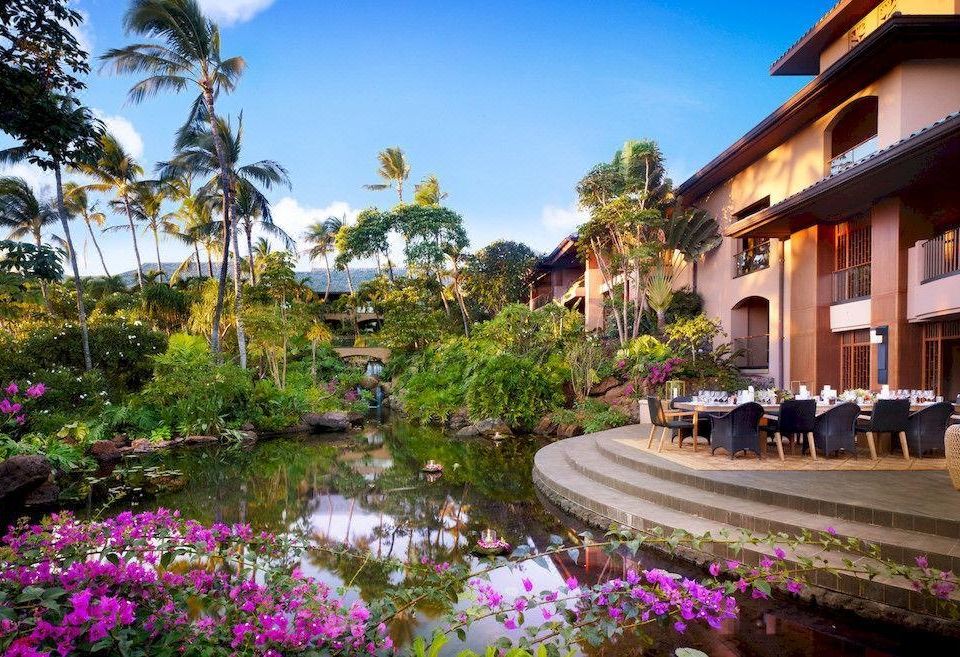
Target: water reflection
(367,490)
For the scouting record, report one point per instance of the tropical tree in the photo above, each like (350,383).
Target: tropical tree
(116,171)
(394,169)
(428,192)
(321,241)
(196,153)
(499,274)
(77,203)
(335,226)
(197,228)
(638,236)
(253,210)
(185,54)
(148,198)
(367,237)
(25,215)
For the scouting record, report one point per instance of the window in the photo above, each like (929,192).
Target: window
(855,360)
(753,208)
(852,257)
(754,255)
(852,135)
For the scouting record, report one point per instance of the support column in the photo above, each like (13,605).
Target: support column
(814,349)
(593,296)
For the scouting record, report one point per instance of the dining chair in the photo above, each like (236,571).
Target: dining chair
(737,430)
(703,423)
(795,419)
(673,420)
(889,416)
(927,427)
(836,429)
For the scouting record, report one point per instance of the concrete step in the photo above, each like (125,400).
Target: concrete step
(601,505)
(852,504)
(900,545)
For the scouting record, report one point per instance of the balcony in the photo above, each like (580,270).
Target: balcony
(849,158)
(851,283)
(940,256)
(754,352)
(752,259)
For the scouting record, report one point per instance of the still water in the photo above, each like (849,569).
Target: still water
(366,490)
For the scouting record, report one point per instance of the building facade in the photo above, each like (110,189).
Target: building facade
(840,210)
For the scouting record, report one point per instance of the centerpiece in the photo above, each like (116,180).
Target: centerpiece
(490,545)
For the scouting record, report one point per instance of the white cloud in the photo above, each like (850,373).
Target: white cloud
(121,128)
(295,218)
(564,220)
(41,181)
(230,12)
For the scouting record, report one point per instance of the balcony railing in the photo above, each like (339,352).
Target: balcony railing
(851,283)
(940,256)
(750,260)
(540,301)
(754,351)
(848,159)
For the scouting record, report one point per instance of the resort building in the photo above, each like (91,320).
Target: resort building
(840,210)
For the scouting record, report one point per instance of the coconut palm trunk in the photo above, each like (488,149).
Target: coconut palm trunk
(156,244)
(238,293)
(326,262)
(96,245)
(77,282)
(196,252)
(38,240)
(133,234)
(248,229)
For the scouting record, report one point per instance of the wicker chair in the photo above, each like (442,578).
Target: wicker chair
(927,427)
(795,420)
(667,421)
(738,430)
(889,416)
(836,429)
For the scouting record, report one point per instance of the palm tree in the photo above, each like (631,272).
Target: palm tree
(197,154)
(428,192)
(25,215)
(186,55)
(320,237)
(148,197)
(116,171)
(334,225)
(253,209)
(394,169)
(77,204)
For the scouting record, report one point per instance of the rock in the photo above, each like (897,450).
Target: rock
(458,420)
(569,430)
(469,431)
(324,422)
(491,426)
(105,452)
(249,436)
(356,419)
(545,427)
(44,495)
(20,475)
(601,387)
(200,440)
(248,426)
(369,382)
(616,393)
(120,440)
(145,445)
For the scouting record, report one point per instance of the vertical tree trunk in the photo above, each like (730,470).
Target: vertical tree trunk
(238,293)
(209,264)
(97,247)
(156,244)
(136,247)
(196,252)
(78,283)
(248,229)
(38,240)
(326,262)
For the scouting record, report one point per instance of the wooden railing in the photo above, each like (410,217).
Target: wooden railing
(851,283)
(750,260)
(940,256)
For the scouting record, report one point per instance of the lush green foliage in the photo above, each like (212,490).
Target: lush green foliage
(591,414)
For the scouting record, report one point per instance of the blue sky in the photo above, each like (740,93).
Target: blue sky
(509,103)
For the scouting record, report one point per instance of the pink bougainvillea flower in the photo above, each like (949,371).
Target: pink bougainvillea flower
(527,584)
(12,389)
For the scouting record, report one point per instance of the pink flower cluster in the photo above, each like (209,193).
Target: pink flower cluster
(12,405)
(659,373)
(159,582)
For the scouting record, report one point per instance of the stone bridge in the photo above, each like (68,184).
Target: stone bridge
(366,354)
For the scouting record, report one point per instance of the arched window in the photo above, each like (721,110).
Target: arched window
(852,135)
(750,330)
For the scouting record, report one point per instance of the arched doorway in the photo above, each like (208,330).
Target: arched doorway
(852,135)
(750,332)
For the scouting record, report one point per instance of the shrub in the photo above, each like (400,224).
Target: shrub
(515,389)
(593,415)
(194,394)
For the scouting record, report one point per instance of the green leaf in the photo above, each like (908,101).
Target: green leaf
(30,594)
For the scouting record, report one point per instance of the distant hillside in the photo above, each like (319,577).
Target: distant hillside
(317,280)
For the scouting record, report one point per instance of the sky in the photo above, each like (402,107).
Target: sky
(508,103)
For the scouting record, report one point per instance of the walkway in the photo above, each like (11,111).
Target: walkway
(609,477)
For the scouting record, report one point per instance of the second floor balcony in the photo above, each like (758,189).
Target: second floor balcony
(940,255)
(751,259)
(850,157)
(851,284)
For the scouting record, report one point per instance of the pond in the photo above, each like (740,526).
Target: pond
(366,489)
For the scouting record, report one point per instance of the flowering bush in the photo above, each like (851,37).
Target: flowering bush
(659,373)
(14,403)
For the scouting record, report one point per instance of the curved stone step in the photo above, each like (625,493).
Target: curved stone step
(897,544)
(600,505)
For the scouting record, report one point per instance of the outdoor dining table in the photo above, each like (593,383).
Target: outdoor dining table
(822,407)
